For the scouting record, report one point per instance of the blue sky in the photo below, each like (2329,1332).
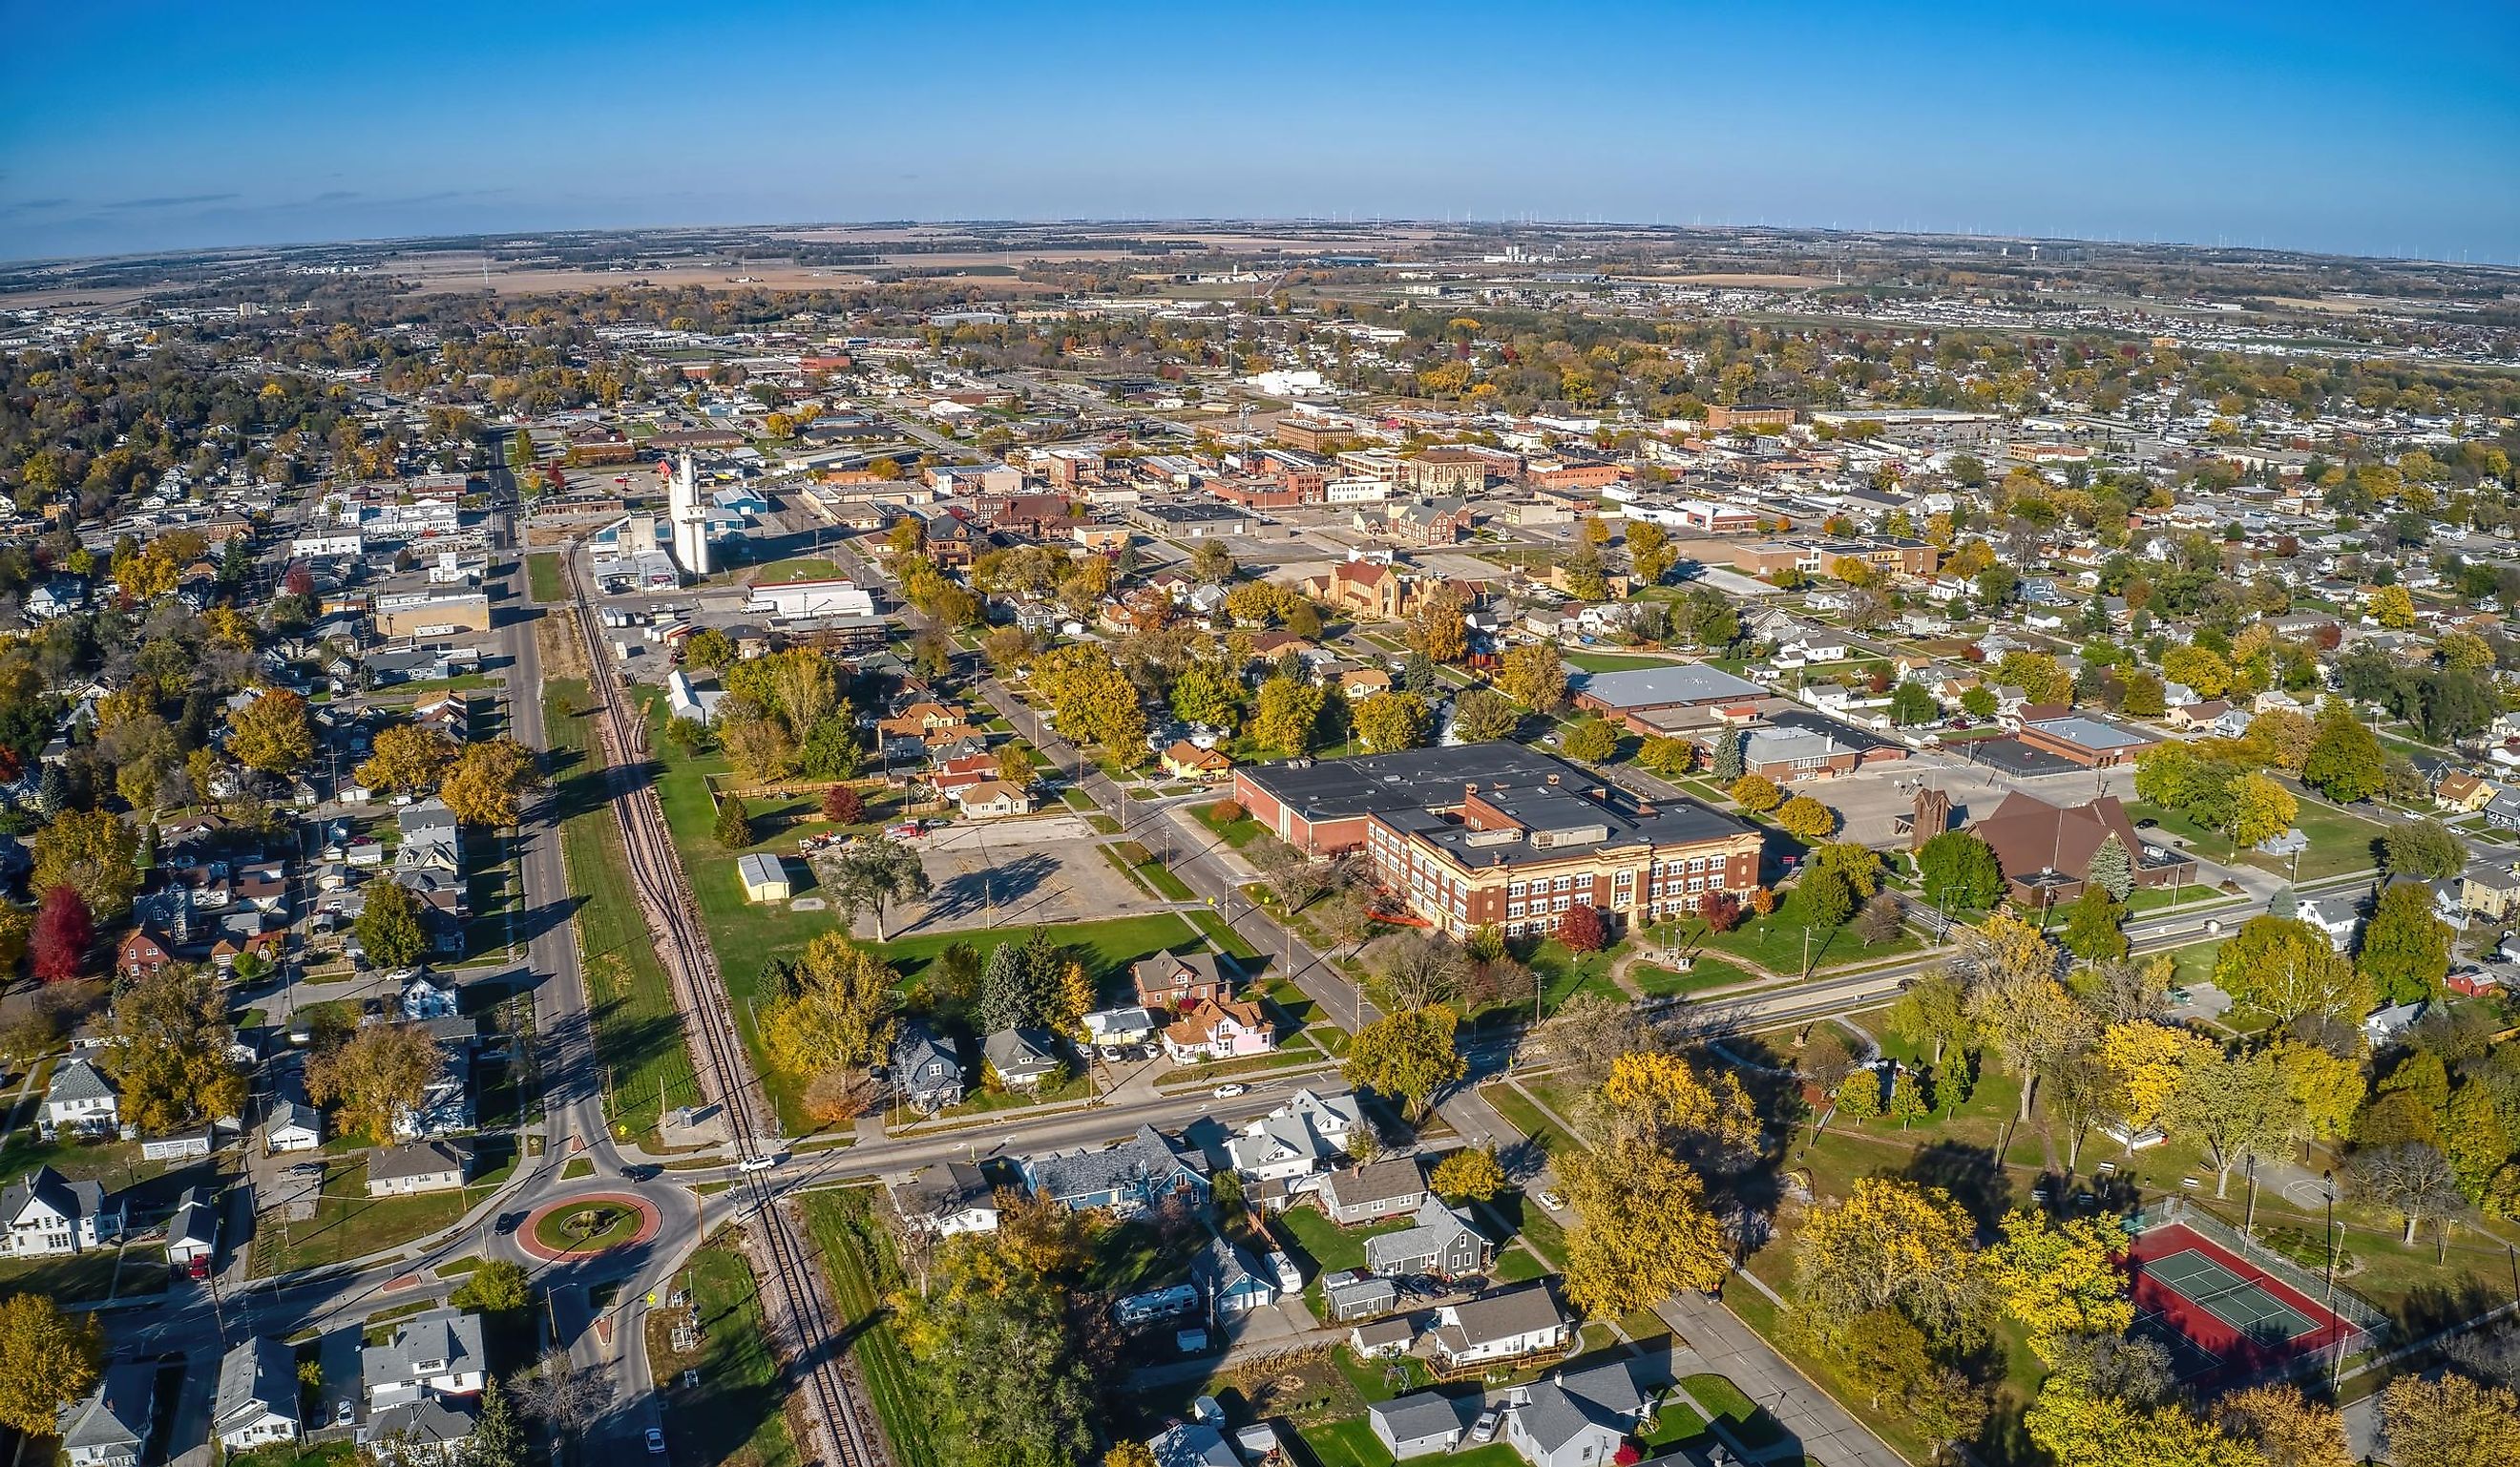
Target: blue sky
(147,125)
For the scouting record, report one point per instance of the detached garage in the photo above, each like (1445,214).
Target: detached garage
(764,877)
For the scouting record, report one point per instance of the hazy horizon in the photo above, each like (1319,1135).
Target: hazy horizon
(161,126)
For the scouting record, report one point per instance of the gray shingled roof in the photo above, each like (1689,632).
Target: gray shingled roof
(257,1376)
(78,1080)
(116,1413)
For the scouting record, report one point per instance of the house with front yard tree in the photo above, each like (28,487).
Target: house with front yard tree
(1440,1241)
(1220,1029)
(1389,1187)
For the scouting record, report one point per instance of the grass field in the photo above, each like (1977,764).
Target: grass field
(638,1031)
(1604,662)
(350,1223)
(733,1414)
(543,580)
(2340,843)
(851,1243)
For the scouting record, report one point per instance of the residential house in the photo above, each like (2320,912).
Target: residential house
(81,1100)
(1023,1058)
(403,1171)
(2462,792)
(1298,1138)
(110,1425)
(948,1198)
(1354,1294)
(1177,983)
(2492,892)
(1220,1029)
(993,799)
(925,1072)
(1389,1187)
(47,1215)
(437,1353)
(292,1126)
(1126,1178)
(1576,1418)
(432,1430)
(1421,1423)
(1185,760)
(1441,1242)
(1128,1025)
(194,1233)
(2337,916)
(258,1394)
(1503,1326)
(1229,1283)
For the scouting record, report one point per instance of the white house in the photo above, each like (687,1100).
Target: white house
(1305,1135)
(421,1167)
(258,1394)
(434,1354)
(946,1199)
(108,1426)
(47,1215)
(1505,1325)
(81,1100)
(293,1126)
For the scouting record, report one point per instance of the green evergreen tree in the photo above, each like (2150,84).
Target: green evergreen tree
(734,828)
(2112,871)
(1726,766)
(496,1441)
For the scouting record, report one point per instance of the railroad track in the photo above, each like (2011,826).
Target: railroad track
(725,1076)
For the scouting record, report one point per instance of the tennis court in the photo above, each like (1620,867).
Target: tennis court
(2244,1304)
(2228,1316)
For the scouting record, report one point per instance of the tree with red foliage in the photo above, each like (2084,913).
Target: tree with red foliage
(299,581)
(843,806)
(64,934)
(1722,910)
(1581,929)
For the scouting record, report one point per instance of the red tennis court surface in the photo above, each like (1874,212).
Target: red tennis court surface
(2235,1319)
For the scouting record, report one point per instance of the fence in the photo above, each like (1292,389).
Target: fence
(2368,1323)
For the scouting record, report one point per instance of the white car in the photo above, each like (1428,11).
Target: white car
(655,1442)
(758,1163)
(1229,1091)
(1553,1202)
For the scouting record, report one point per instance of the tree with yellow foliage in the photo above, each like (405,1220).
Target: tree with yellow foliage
(2144,1063)
(839,1016)
(2288,1427)
(1642,1230)
(2448,1422)
(1756,794)
(271,733)
(407,756)
(1659,1098)
(1890,1245)
(2059,1279)
(2080,1427)
(2393,608)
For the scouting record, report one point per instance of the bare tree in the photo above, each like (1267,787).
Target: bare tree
(563,1396)
(2124,990)
(2415,1179)
(1412,969)
(1294,877)
(1589,1031)
(1346,920)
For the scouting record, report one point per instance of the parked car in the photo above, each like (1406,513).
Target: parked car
(905,829)
(1552,1201)
(1484,1429)
(655,1442)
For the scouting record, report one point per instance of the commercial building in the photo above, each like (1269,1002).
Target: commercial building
(1498,833)
(829,596)
(1193,522)
(1630,697)
(2091,741)
(2045,850)
(432,613)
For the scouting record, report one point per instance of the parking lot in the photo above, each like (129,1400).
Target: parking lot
(1041,870)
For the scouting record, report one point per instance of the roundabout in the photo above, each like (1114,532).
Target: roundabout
(587,1224)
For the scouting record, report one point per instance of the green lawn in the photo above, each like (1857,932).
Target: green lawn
(2340,843)
(734,1414)
(1655,981)
(543,579)
(1756,1429)
(1330,1246)
(1606,662)
(1526,1116)
(1778,941)
(1239,833)
(78,1278)
(350,1223)
(797,568)
(638,1029)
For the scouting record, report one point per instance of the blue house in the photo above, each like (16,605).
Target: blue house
(1126,1178)
(1229,1283)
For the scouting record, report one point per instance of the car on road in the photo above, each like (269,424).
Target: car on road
(655,1441)
(759,1163)
(1229,1091)
(508,1222)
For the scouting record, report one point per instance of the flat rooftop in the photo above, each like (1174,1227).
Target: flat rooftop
(2092,732)
(1657,686)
